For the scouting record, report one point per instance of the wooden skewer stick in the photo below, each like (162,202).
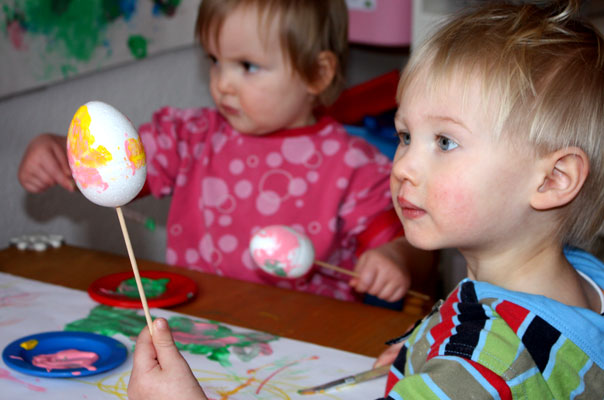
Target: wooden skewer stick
(336,268)
(137,277)
(352,273)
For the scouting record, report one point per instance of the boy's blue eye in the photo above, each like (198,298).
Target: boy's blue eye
(249,67)
(405,138)
(446,144)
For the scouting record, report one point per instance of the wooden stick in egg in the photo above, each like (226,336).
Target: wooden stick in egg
(108,164)
(276,245)
(137,276)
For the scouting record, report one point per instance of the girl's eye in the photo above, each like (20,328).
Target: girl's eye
(446,144)
(405,138)
(212,59)
(249,67)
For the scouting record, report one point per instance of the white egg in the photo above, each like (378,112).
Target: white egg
(106,155)
(281,251)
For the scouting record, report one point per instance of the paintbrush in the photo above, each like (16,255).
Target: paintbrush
(348,380)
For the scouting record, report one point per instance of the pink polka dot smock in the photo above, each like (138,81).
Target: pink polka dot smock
(225,186)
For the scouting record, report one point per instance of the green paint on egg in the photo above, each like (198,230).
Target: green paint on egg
(138,46)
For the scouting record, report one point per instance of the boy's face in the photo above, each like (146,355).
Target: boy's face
(453,183)
(252,82)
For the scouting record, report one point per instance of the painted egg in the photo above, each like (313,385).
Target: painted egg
(105,154)
(281,251)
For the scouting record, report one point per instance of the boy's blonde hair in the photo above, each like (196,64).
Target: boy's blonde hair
(541,67)
(306,28)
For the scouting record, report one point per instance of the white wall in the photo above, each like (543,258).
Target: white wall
(177,78)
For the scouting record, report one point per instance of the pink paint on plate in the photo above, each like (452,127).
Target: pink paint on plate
(66,359)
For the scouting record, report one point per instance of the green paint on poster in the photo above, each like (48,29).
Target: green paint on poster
(77,25)
(165,7)
(68,70)
(138,46)
(75,28)
(212,339)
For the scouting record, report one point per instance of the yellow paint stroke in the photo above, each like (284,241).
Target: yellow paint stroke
(30,344)
(135,153)
(84,159)
(119,388)
(226,395)
(220,383)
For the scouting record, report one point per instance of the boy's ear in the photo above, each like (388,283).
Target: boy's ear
(326,69)
(563,173)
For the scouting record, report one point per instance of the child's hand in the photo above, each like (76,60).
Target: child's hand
(382,273)
(389,355)
(44,164)
(159,370)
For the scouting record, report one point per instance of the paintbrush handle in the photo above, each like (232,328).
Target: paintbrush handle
(137,276)
(372,374)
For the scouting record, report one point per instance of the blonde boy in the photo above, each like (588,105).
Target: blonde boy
(501,121)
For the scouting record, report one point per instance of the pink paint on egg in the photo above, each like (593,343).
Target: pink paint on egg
(281,251)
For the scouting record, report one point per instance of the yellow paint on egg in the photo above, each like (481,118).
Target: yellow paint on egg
(80,142)
(135,153)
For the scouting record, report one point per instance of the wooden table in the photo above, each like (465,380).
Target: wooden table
(353,327)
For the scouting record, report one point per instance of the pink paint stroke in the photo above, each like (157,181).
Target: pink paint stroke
(5,374)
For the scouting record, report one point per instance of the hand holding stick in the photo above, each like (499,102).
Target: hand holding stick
(354,274)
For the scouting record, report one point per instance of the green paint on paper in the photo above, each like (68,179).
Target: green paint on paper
(212,339)
(152,287)
(110,321)
(138,46)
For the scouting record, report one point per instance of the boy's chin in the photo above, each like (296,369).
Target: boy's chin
(422,242)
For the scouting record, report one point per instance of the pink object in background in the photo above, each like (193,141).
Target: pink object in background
(380,22)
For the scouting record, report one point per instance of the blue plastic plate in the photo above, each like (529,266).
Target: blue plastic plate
(111,353)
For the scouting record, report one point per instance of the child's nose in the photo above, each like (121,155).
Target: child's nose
(405,166)
(225,82)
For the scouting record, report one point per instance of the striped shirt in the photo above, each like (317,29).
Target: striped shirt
(486,342)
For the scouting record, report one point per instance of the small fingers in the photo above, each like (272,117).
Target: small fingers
(144,352)
(63,172)
(389,355)
(167,352)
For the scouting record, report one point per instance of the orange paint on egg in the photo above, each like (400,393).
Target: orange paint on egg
(84,159)
(135,153)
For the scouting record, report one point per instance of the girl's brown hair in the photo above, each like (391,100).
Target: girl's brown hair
(306,27)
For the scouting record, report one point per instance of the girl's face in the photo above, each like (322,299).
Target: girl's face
(453,183)
(251,81)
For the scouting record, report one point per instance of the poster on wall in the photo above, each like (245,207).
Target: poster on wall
(46,41)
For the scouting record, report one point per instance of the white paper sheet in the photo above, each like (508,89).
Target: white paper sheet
(28,307)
